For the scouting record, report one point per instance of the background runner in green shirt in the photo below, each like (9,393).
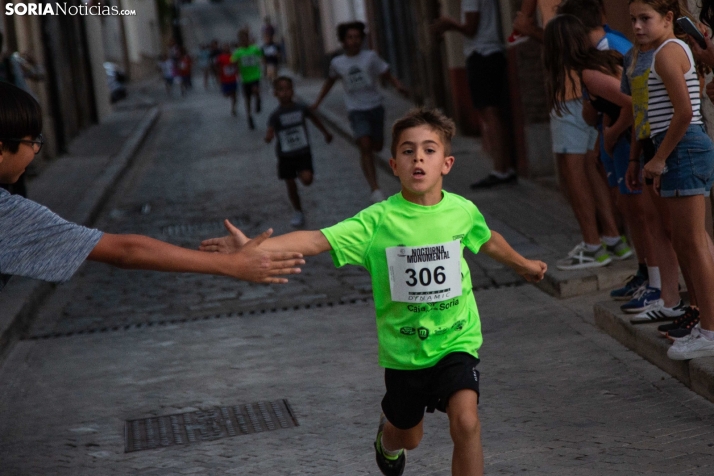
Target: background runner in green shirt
(248,58)
(428,324)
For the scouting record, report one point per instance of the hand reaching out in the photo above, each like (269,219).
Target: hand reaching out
(230,243)
(250,262)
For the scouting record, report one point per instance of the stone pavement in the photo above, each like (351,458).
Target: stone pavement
(519,212)
(558,397)
(645,340)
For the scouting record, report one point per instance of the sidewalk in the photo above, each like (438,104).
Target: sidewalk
(537,221)
(75,186)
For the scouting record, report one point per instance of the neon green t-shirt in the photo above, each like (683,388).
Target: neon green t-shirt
(249,62)
(421,283)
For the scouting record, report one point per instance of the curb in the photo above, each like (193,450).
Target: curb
(643,339)
(24,296)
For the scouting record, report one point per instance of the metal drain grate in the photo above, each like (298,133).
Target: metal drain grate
(207,425)
(205,228)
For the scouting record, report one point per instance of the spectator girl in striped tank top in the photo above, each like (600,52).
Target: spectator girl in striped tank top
(683,163)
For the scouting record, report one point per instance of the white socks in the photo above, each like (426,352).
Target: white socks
(610,240)
(653,277)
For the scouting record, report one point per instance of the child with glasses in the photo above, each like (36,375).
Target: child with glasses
(36,243)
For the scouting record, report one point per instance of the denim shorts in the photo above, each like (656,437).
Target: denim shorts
(570,133)
(616,165)
(690,167)
(369,123)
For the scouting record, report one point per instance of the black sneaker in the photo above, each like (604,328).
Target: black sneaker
(685,329)
(492,180)
(690,314)
(388,467)
(251,124)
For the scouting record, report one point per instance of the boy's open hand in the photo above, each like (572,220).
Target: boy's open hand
(231,243)
(252,263)
(533,270)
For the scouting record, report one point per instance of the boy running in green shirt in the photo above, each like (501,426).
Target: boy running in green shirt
(248,57)
(428,324)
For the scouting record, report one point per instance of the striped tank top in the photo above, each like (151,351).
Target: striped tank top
(659,106)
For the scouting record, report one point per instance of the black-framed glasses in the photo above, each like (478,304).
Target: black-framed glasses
(36,143)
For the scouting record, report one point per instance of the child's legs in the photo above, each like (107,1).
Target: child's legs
(658,224)
(574,178)
(494,136)
(247,93)
(604,187)
(465,429)
(394,439)
(293,194)
(368,130)
(306,177)
(691,243)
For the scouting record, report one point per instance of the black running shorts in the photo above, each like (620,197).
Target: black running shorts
(411,392)
(487,78)
(289,167)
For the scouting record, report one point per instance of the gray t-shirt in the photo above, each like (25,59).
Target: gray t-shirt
(37,243)
(487,39)
(359,76)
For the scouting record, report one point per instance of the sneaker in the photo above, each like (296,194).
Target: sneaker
(620,250)
(491,180)
(690,347)
(685,329)
(660,313)
(644,299)
(388,466)
(251,123)
(580,258)
(626,292)
(298,219)
(690,314)
(376,196)
(515,38)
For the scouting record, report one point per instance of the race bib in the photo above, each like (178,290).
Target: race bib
(229,70)
(248,61)
(292,139)
(356,79)
(425,273)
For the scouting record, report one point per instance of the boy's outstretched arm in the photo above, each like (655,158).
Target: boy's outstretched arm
(251,263)
(307,243)
(499,249)
(329,82)
(318,123)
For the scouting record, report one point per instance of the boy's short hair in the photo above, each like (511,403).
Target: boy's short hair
(20,116)
(287,79)
(587,11)
(343,28)
(434,118)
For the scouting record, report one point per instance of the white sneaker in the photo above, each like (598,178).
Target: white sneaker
(692,346)
(377,196)
(298,219)
(660,313)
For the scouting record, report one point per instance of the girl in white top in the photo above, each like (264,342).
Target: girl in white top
(683,164)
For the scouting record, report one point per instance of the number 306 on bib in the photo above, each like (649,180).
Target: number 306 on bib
(429,273)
